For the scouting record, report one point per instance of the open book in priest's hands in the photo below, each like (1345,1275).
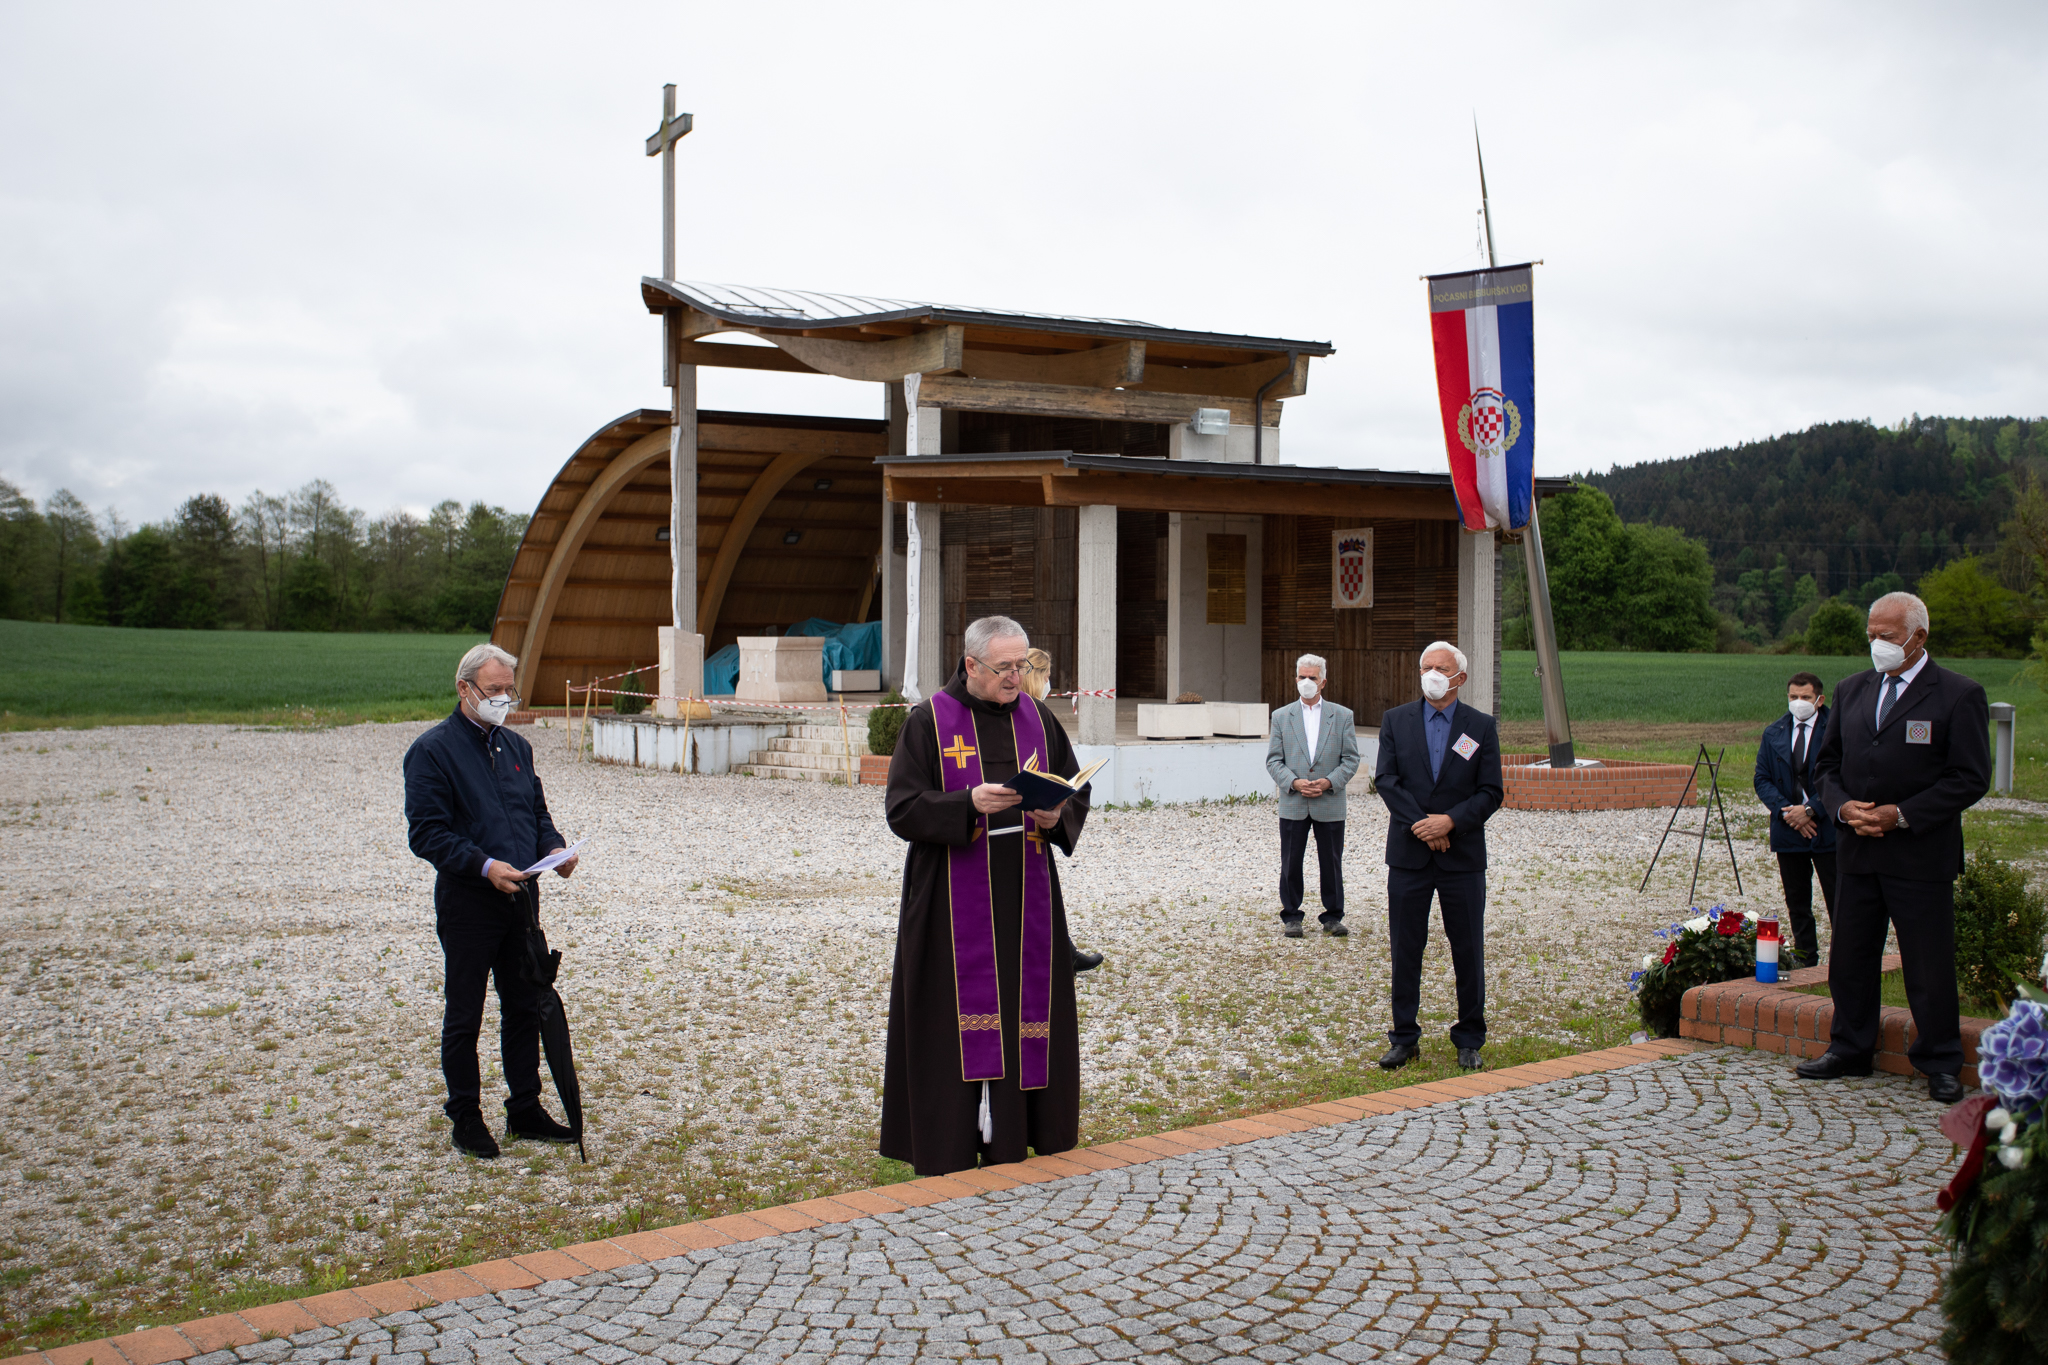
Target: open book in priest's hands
(1042,790)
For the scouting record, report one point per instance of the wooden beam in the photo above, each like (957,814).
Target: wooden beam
(1153,494)
(1051,341)
(740,357)
(878,361)
(626,466)
(971,492)
(1048,400)
(779,472)
(738,440)
(695,323)
(1238,381)
(1105,367)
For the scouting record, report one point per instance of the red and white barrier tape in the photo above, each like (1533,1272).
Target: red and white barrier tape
(800,706)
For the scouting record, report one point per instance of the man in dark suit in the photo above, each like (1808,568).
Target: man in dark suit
(1788,784)
(1439,773)
(1907,754)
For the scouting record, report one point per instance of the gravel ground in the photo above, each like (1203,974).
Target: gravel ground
(220,1028)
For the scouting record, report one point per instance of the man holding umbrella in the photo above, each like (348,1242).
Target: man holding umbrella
(475,810)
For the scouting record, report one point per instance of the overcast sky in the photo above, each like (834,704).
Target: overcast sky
(398,246)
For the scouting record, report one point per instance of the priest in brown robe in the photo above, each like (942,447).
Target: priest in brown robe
(984,1055)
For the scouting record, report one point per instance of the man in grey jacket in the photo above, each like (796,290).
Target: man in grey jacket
(1312,755)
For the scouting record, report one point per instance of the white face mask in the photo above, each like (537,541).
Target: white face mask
(1308,687)
(493,710)
(1435,685)
(1886,655)
(1802,709)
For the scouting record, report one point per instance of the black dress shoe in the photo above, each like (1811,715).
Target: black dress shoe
(1335,929)
(471,1136)
(1468,1057)
(1832,1066)
(1086,962)
(1293,929)
(1398,1056)
(535,1126)
(1944,1089)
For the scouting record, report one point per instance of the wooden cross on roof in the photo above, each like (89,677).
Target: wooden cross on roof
(662,143)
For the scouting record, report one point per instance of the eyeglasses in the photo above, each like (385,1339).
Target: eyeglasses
(513,693)
(1015,666)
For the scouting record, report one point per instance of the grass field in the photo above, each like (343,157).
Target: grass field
(1664,706)
(100,675)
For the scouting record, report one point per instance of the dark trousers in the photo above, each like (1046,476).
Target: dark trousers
(483,937)
(1797,871)
(1924,913)
(1329,867)
(1461,896)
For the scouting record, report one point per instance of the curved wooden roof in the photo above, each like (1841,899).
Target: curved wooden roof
(789,525)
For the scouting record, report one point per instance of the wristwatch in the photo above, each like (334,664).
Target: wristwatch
(1902,817)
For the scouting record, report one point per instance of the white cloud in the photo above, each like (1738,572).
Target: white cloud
(398,246)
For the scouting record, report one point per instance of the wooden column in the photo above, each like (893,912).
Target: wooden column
(1479,617)
(1095,623)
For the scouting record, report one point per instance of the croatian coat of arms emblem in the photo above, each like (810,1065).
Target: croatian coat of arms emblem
(1351,566)
(1489,424)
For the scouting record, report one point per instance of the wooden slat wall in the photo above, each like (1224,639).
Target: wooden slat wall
(1140,603)
(1371,651)
(1017,562)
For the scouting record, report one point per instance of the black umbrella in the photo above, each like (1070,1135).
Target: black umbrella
(543,964)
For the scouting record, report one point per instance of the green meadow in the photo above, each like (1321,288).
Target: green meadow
(100,675)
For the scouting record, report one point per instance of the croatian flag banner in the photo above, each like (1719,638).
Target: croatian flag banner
(1483,325)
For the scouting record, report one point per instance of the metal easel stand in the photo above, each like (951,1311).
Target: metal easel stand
(1712,805)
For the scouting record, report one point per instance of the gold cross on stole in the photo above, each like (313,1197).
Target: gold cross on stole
(961,750)
(1032,836)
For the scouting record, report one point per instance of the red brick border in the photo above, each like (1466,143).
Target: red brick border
(1783,1019)
(163,1345)
(1617,784)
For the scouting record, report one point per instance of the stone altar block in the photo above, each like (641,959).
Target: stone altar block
(681,669)
(781,668)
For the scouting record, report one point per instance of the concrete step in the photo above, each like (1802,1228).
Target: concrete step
(856,727)
(833,745)
(831,763)
(794,774)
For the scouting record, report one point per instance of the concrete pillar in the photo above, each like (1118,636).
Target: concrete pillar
(1095,623)
(933,669)
(892,600)
(680,665)
(1479,617)
(1219,660)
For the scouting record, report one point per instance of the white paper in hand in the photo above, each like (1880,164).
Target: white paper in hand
(558,857)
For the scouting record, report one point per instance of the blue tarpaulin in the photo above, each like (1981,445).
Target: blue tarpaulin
(846,647)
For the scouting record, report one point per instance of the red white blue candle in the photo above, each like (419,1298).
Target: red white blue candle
(1767,949)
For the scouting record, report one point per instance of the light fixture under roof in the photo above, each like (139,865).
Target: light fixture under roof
(661,533)
(791,537)
(822,484)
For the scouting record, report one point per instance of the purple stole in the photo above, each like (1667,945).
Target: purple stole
(976,986)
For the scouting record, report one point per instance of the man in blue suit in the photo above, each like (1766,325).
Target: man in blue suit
(1439,773)
(1788,783)
(1311,757)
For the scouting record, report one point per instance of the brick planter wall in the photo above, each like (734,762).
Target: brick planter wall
(1781,1019)
(874,770)
(1617,784)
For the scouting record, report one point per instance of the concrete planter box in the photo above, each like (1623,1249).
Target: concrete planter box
(1174,722)
(856,679)
(1781,1018)
(1246,719)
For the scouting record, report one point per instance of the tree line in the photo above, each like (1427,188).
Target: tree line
(1782,545)
(299,561)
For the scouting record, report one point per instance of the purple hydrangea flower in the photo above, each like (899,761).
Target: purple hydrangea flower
(2012,1057)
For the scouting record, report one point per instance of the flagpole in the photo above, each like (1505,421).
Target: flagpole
(1557,722)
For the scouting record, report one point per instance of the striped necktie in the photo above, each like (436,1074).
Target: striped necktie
(1884,703)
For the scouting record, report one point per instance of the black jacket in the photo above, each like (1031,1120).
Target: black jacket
(1932,760)
(1775,786)
(1466,789)
(469,797)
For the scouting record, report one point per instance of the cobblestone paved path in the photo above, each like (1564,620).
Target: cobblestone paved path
(1708,1207)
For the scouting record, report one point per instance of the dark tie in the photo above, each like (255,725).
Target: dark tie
(1799,764)
(1884,703)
